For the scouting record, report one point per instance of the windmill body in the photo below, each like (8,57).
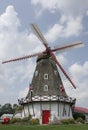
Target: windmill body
(47,98)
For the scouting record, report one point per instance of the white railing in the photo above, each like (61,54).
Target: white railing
(47,98)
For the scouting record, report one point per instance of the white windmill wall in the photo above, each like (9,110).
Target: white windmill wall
(56,110)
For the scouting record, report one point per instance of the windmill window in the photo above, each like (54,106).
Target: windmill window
(55,72)
(36,72)
(45,87)
(45,76)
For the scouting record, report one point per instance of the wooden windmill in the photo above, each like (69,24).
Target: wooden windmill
(46,98)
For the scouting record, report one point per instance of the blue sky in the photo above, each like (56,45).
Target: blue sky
(61,21)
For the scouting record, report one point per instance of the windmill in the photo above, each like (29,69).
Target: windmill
(53,96)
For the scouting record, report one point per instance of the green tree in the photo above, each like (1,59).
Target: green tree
(15,106)
(7,109)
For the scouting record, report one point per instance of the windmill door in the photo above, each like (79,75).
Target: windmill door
(45,116)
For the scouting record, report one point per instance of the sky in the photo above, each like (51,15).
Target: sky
(61,22)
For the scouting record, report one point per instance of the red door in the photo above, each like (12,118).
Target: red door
(45,116)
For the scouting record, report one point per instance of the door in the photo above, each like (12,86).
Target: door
(45,116)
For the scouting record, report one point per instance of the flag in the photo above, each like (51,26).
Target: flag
(31,87)
(62,88)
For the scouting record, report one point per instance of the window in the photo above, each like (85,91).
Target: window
(55,72)
(45,87)
(36,72)
(45,76)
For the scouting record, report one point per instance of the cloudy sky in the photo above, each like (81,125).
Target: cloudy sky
(61,22)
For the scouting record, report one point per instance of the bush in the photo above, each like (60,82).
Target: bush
(71,121)
(15,120)
(55,121)
(64,121)
(34,121)
(80,120)
(77,115)
(25,119)
(19,120)
(68,121)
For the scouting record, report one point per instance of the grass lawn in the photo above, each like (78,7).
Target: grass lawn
(44,127)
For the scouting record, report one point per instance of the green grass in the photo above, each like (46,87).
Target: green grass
(44,127)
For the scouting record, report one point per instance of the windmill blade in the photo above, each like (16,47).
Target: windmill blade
(39,34)
(62,48)
(22,58)
(62,69)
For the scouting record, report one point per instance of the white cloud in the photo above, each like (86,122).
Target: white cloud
(54,32)
(23,93)
(67,7)
(62,59)
(79,71)
(73,27)
(50,5)
(9,24)
(1,89)
(8,20)
(79,74)
(15,44)
(87,12)
(71,12)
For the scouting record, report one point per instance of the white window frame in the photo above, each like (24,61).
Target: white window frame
(36,72)
(46,87)
(55,71)
(45,76)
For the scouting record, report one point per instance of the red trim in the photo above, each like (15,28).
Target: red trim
(80,109)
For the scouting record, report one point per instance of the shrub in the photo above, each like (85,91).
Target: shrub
(64,121)
(80,120)
(25,119)
(29,117)
(71,121)
(19,120)
(34,121)
(55,121)
(68,121)
(77,115)
(15,120)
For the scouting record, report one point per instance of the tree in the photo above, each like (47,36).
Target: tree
(78,115)
(6,109)
(0,106)
(15,106)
